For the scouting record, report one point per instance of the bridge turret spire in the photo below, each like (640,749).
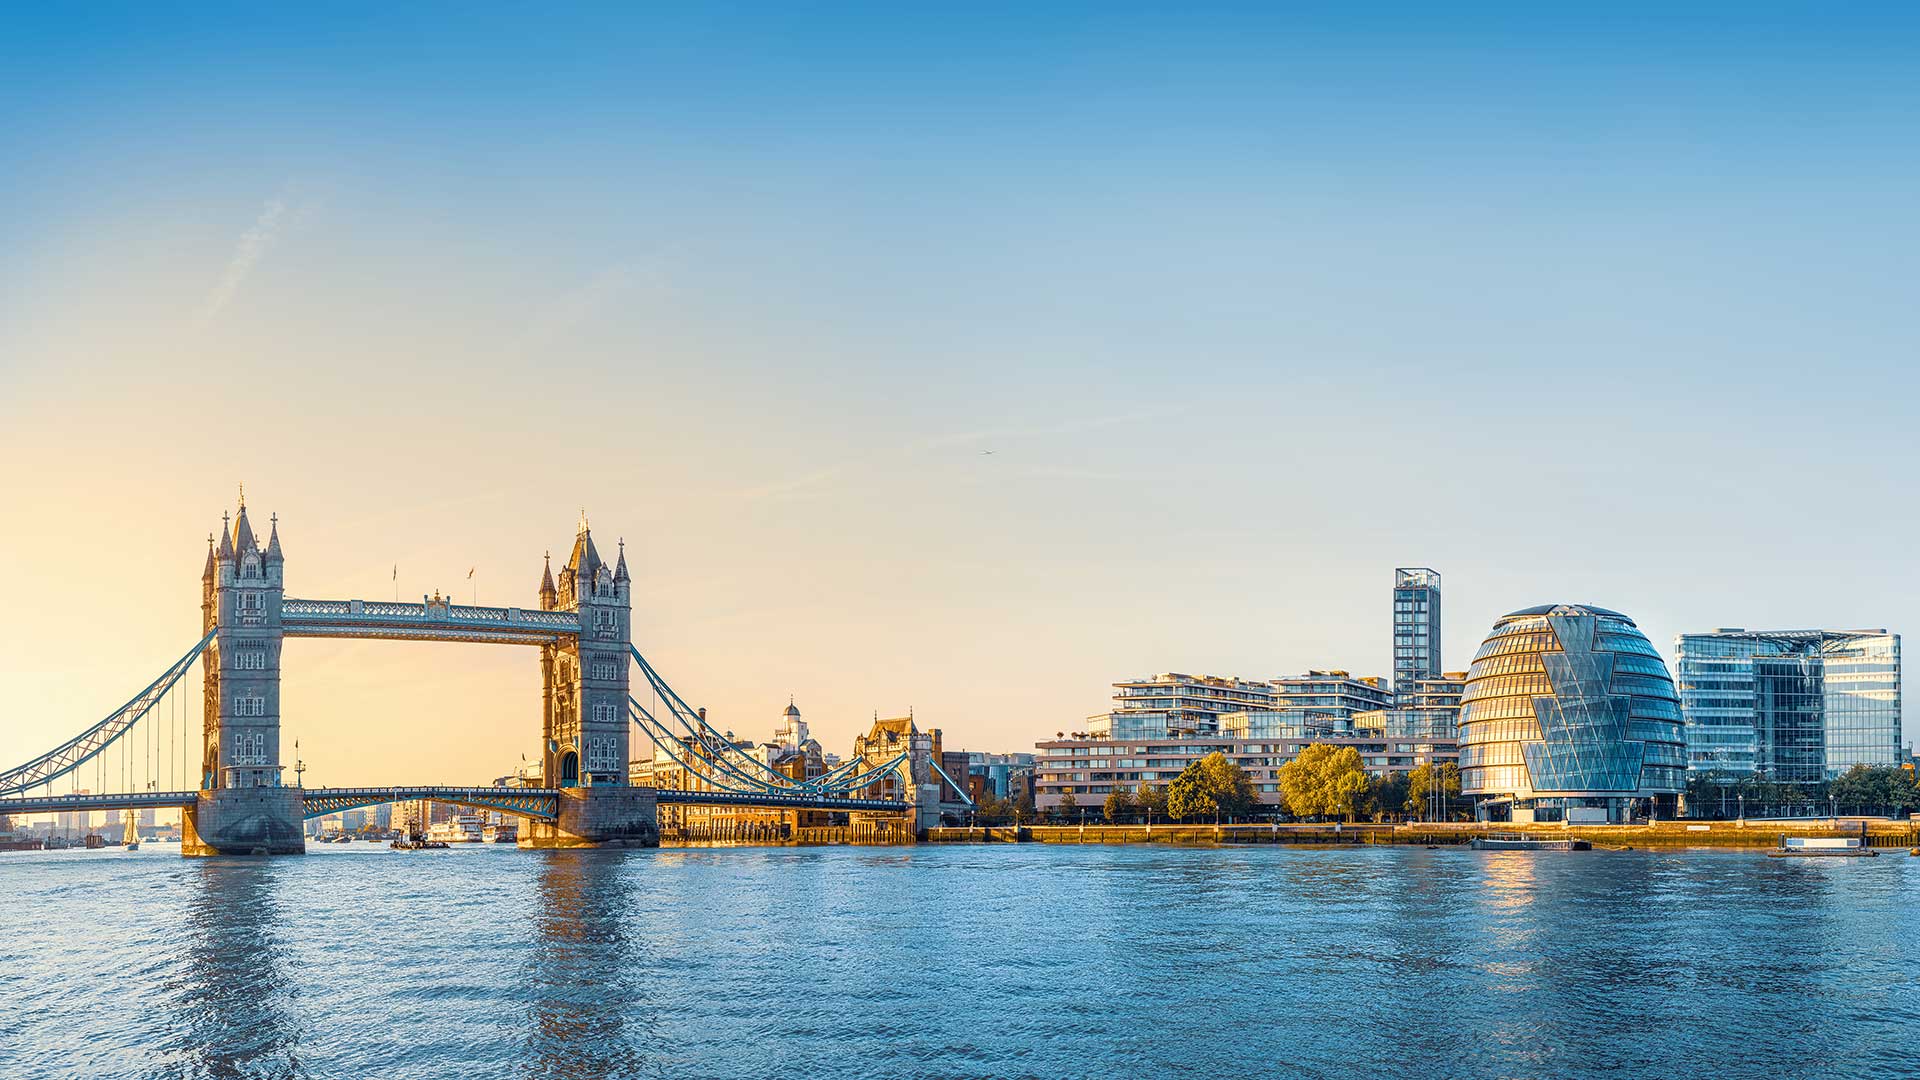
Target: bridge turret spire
(548,594)
(274,553)
(243,538)
(620,575)
(225,552)
(207,574)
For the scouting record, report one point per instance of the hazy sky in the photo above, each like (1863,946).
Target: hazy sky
(1252,303)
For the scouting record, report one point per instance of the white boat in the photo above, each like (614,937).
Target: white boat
(505,832)
(459,829)
(1514,842)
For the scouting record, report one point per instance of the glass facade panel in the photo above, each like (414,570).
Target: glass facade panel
(1572,703)
(1796,706)
(1416,625)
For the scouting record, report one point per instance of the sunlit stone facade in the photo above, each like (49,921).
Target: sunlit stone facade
(1569,714)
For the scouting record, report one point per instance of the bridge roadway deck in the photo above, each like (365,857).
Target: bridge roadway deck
(524,802)
(53,804)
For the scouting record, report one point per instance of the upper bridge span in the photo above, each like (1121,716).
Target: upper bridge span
(433,619)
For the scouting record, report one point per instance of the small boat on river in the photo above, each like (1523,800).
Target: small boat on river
(1516,842)
(1819,847)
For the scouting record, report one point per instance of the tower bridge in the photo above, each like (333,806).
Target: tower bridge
(582,627)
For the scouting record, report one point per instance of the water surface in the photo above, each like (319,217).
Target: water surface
(957,962)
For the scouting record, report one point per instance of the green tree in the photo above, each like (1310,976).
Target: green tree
(1871,789)
(1151,800)
(1119,804)
(1324,781)
(1421,784)
(1212,786)
(1023,809)
(1388,795)
(1068,804)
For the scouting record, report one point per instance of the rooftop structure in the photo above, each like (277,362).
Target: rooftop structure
(1173,702)
(1332,693)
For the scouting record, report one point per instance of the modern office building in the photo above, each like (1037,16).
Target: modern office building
(1172,703)
(1332,693)
(1416,625)
(1795,706)
(1569,715)
(996,772)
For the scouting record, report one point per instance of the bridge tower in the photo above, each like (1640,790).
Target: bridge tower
(243,807)
(584,719)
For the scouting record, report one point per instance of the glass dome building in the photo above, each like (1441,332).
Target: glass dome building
(1569,715)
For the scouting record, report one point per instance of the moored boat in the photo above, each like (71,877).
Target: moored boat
(1516,842)
(459,829)
(1818,847)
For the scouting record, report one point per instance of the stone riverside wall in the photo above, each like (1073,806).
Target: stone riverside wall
(1753,833)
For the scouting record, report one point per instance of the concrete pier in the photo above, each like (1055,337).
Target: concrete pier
(598,817)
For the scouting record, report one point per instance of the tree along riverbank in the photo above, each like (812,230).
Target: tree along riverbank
(1753,833)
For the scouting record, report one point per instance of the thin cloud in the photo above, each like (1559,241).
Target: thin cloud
(574,307)
(812,482)
(253,247)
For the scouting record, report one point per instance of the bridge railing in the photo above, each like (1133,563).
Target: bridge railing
(135,800)
(540,803)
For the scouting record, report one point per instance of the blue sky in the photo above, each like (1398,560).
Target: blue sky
(1254,303)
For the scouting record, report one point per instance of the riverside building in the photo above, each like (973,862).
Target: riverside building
(1569,715)
(1416,625)
(1335,694)
(1259,742)
(1795,706)
(1173,704)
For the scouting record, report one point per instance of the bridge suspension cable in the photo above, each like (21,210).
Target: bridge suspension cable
(844,780)
(87,746)
(697,725)
(678,748)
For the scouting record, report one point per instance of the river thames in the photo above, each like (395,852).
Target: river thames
(1025,961)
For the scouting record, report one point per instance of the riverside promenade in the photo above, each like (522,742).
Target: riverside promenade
(1752,833)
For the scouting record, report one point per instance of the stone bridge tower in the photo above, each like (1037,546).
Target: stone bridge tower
(585,724)
(242,807)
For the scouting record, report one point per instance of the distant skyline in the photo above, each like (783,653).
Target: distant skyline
(1251,304)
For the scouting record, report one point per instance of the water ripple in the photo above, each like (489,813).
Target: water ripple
(955,962)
